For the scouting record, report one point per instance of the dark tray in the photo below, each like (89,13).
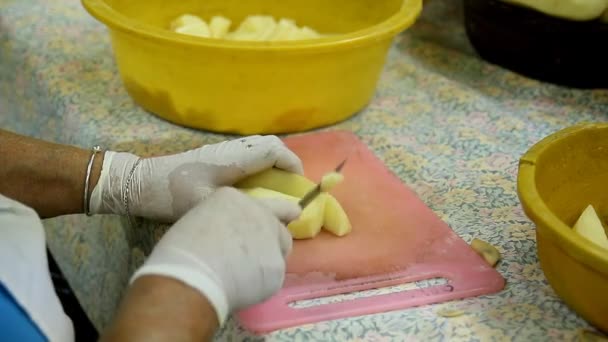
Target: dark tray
(539,46)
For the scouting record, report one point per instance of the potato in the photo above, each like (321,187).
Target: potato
(589,226)
(253,28)
(323,212)
(186,20)
(310,222)
(278,180)
(568,9)
(286,29)
(219,26)
(195,30)
(488,252)
(191,25)
(330,180)
(267,193)
(308,33)
(335,220)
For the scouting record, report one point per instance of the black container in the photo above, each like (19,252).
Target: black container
(543,47)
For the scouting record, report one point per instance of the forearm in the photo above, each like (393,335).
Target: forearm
(157,308)
(45,176)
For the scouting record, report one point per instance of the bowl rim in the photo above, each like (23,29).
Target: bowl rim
(401,20)
(535,208)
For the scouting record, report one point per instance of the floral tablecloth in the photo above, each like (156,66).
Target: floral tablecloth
(448,124)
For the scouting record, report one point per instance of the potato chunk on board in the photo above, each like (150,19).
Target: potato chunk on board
(324,212)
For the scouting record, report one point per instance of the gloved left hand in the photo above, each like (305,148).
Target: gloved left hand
(230,247)
(165,188)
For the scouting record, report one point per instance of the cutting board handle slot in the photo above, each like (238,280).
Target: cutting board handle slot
(349,292)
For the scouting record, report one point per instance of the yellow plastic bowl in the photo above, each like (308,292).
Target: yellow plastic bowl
(558,177)
(253,87)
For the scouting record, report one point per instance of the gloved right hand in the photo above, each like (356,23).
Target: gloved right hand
(230,247)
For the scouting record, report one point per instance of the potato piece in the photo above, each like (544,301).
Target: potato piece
(186,20)
(330,180)
(310,222)
(278,180)
(191,25)
(286,29)
(587,335)
(278,183)
(255,27)
(219,26)
(308,33)
(195,30)
(488,252)
(590,227)
(567,9)
(335,219)
(450,313)
(267,193)
(252,28)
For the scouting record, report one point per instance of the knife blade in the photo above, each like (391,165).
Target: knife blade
(312,194)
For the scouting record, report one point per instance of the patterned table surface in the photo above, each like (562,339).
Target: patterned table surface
(448,124)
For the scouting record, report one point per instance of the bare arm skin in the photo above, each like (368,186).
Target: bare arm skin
(158,308)
(45,176)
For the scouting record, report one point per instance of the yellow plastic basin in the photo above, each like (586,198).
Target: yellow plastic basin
(558,177)
(253,87)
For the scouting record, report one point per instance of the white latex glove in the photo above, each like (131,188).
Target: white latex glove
(165,188)
(230,247)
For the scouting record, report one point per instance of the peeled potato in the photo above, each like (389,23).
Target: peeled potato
(310,222)
(253,28)
(568,9)
(186,20)
(323,212)
(488,252)
(195,30)
(589,226)
(330,180)
(335,219)
(308,33)
(278,180)
(219,26)
(286,29)
(267,193)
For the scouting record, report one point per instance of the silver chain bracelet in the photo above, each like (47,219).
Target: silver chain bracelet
(87,178)
(127,190)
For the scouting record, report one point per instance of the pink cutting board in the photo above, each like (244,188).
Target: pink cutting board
(396,239)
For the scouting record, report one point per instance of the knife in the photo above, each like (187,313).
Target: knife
(312,194)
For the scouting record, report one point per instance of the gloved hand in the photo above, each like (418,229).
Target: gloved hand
(165,188)
(230,247)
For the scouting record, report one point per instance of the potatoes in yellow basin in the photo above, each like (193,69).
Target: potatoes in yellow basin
(590,227)
(253,28)
(324,211)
